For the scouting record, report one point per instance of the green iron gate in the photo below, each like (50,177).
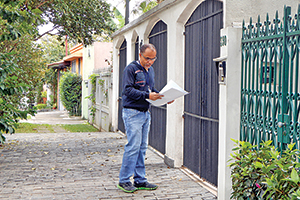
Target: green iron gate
(270,98)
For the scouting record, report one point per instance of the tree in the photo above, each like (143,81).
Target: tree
(21,62)
(78,19)
(14,23)
(119,17)
(53,51)
(145,6)
(140,8)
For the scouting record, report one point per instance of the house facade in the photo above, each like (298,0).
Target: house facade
(85,61)
(97,60)
(72,62)
(199,47)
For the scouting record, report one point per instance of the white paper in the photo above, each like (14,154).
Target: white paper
(171,92)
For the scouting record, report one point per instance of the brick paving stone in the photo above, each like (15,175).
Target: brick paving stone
(82,166)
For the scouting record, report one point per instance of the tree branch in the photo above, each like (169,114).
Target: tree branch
(46,33)
(42,3)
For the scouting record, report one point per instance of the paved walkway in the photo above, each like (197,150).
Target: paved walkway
(82,166)
(54,117)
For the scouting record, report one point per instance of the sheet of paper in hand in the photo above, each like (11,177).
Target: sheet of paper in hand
(171,91)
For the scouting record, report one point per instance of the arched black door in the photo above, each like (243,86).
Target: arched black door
(136,49)
(201,106)
(122,65)
(157,135)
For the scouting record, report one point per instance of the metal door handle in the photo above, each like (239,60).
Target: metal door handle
(280,124)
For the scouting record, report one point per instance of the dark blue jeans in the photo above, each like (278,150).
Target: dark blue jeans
(137,125)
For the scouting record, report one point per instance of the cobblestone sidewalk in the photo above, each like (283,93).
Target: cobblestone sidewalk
(82,166)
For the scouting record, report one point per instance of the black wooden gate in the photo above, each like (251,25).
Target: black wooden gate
(122,65)
(201,107)
(157,135)
(136,49)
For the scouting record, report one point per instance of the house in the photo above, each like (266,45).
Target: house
(97,59)
(199,47)
(72,62)
(85,61)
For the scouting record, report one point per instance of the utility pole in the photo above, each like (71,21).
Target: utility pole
(127,12)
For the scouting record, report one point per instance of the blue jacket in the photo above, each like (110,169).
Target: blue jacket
(137,82)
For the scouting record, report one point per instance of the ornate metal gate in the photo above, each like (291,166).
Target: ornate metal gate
(201,106)
(270,86)
(157,135)
(122,65)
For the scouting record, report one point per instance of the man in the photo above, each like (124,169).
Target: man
(138,85)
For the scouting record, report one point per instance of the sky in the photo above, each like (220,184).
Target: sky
(120,4)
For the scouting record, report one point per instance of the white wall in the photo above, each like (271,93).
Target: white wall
(229,103)
(94,57)
(229,108)
(180,12)
(235,11)
(175,13)
(88,66)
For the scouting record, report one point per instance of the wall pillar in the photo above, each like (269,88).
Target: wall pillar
(174,137)
(115,81)
(229,107)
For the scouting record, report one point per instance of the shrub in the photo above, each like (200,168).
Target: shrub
(264,173)
(40,106)
(44,94)
(70,92)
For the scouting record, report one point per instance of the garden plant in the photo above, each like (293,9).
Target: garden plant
(264,172)
(70,92)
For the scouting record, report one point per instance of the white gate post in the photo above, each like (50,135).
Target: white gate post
(229,106)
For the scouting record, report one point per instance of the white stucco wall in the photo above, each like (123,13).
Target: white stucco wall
(88,67)
(180,12)
(175,13)
(237,10)
(229,108)
(93,59)
(229,103)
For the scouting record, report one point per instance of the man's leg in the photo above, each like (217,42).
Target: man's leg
(140,181)
(133,121)
(140,171)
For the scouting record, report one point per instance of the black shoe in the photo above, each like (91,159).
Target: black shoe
(127,187)
(145,186)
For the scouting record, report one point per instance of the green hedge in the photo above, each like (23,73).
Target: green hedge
(71,92)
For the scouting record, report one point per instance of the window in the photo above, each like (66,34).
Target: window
(73,66)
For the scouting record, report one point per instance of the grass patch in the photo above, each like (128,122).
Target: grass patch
(47,128)
(79,128)
(32,128)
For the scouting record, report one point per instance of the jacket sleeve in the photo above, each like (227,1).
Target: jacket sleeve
(153,89)
(128,86)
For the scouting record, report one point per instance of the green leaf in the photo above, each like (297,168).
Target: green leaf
(258,165)
(294,176)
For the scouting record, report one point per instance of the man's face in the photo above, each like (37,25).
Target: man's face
(147,58)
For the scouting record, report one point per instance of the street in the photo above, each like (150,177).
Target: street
(82,166)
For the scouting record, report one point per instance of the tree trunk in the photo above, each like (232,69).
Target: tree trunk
(127,12)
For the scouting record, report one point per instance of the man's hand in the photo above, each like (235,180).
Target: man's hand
(171,101)
(154,96)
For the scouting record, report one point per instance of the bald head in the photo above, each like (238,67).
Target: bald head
(147,46)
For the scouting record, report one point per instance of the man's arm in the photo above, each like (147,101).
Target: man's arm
(128,86)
